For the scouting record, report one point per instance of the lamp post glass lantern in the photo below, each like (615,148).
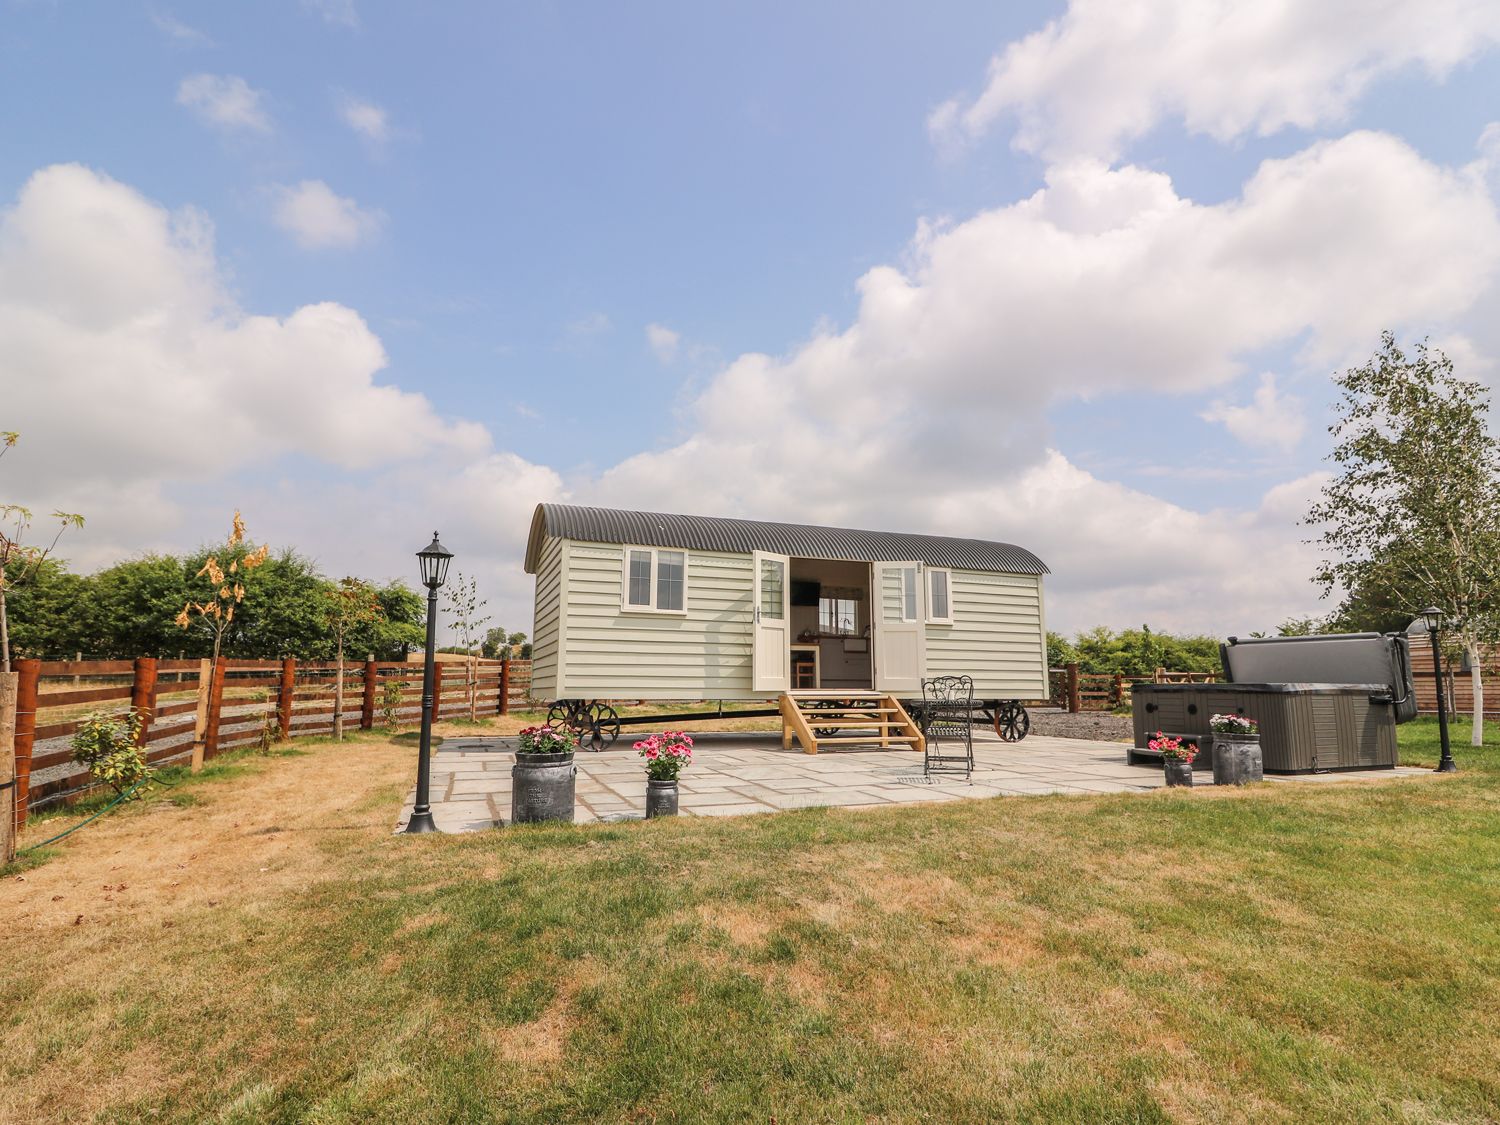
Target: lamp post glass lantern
(433,559)
(1433,617)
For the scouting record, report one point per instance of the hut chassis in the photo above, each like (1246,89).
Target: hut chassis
(597,724)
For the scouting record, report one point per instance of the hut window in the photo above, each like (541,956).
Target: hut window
(838,613)
(670,567)
(909,593)
(939,600)
(640,579)
(655,580)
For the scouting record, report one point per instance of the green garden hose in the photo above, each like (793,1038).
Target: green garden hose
(90,820)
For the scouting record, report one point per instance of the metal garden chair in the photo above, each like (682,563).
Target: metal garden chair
(947,712)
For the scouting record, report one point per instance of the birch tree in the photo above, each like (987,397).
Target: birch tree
(1412,516)
(19,560)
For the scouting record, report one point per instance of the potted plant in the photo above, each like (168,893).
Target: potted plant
(1237,756)
(543,777)
(665,753)
(1177,758)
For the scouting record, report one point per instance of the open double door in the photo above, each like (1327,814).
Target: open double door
(897,615)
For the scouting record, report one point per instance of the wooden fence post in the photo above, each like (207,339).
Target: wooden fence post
(200,717)
(437,689)
(215,709)
(367,712)
(29,674)
(1117,690)
(286,696)
(8,825)
(505,686)
(1075,704)
(143,696)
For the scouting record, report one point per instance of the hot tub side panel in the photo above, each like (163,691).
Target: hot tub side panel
(1301,731)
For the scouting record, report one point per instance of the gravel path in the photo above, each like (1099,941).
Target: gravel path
(1086,724)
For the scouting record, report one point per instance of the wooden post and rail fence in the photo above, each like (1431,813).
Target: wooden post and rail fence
(1075,691)
(191,710)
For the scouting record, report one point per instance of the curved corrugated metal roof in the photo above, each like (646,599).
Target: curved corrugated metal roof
(713,533)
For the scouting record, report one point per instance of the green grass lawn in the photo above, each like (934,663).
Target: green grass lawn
(1283,953)
(1421,745)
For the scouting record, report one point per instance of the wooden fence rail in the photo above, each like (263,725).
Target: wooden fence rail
(1075,691)
(1458,683)
(192,712)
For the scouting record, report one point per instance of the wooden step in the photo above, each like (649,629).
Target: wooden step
(874,738)
(851,711)
(884,724)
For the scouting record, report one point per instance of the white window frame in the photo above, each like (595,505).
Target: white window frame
(626,605)
(854,626)
(918,590)
(933,619)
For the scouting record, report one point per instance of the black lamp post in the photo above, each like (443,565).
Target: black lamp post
(434,559)
(1434,618)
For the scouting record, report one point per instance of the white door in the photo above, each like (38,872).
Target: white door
(771,664)
(900,628)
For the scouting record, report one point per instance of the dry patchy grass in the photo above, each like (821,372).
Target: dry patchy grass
(270,952)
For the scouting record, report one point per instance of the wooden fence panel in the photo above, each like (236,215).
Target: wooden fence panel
(1458,686)
(181,706)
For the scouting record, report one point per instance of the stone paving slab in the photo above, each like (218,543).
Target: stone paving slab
(734,775)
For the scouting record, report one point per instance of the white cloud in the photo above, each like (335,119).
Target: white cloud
(340,13)
(1105,281)
(1124,557)
(928,412)
(663,342)
(225,101)
(1270,420)
(1108,71)
(178,31)
(150,402)
(130,369)
(589,325)
(320,219)
(367,119)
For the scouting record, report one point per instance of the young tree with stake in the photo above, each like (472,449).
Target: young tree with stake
(352,603)
(466,612)
(227,571)
(1412,517)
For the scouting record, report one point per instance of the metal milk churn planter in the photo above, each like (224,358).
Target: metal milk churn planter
(542,788)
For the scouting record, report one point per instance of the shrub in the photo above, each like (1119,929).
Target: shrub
(269,723)
(108,747)
(390,702)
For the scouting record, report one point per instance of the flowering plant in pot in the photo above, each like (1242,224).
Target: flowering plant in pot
(543,778)
(1177,757)
(1242,725)
(546,740)
(1237,756)
(666,754)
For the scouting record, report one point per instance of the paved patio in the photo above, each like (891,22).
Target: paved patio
(736,774)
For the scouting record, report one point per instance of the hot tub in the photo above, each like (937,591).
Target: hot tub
(1304,728)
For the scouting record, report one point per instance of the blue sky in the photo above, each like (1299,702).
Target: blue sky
(536,186)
